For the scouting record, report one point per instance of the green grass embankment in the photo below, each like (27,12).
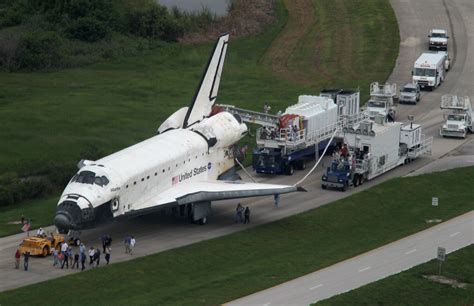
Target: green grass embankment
(222,269)
(50,118)
(411,288)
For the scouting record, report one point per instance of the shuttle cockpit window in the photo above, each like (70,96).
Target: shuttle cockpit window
(89,177)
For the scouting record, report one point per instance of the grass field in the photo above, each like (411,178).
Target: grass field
(410,288)
(51,117)
(218,270)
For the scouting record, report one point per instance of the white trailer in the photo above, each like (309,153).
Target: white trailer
(459,121)
(375,147)
(429,70)
(383,98)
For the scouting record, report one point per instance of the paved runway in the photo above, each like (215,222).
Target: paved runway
(155,233)
(366,268)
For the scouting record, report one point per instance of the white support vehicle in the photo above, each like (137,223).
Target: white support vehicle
(383,98)
(429,70)
(447,60)
(438,39)
(459,119)
(375,147)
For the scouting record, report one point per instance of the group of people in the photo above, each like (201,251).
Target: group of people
(65,256)
(242,215)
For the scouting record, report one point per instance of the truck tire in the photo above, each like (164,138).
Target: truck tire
(355,181)
(202,221)
(290,169)
(301,164)
(324,186)
(344,187)
(45,251)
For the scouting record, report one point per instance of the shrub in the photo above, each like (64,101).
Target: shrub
(39,50)
(6,196)
(87,29)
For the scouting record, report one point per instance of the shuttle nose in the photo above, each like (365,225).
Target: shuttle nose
(62,221)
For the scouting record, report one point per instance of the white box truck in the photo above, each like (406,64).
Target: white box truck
(428,70)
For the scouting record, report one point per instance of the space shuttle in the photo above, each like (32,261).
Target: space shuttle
(183,167)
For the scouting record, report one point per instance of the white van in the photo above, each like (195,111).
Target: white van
(429,69)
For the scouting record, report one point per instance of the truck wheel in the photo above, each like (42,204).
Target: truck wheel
(324,186)
(344,187)
(45,251)
(290,169)
(302,164)
(355,181)
(202,221)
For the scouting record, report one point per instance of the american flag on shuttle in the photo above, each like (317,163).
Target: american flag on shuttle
(174,180)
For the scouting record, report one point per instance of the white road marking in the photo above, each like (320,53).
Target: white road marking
(411,251)
(266,304)
(455,234)
(316,287)
(364,269)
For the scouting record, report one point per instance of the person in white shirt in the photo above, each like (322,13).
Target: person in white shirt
(40,232)
(132,244)
(91,255)
(65,253)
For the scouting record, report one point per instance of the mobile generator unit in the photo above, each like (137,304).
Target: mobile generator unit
(303,131)
(375,147)
(429,70)
(459,120)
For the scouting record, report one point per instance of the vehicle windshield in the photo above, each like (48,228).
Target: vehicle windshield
(373,103)
(456,117)
(440,35)
(89,177)
(408,89)
(424,72)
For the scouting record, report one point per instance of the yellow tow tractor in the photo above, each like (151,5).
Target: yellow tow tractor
(42,245)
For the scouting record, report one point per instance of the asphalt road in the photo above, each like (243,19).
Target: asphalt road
(157,233)
(371,266)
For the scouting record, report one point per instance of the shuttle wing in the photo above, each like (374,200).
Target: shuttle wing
(206,93)
(210,191)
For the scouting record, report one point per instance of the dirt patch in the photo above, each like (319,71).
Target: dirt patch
(445,281)
(300,19)
(245,18)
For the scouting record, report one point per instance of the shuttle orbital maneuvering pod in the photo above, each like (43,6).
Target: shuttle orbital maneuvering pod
(184,166)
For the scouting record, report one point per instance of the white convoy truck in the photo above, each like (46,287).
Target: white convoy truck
(375,147)
(429,70)
(459,119)
(383,98)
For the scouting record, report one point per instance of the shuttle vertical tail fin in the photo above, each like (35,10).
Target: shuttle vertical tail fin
(206,93)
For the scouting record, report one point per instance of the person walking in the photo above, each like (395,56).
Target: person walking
(132,244)
(238,213)
(107,254)
(276,197)
(55,258)
(91,255)
(127,244)
(26,259)
(83,260)
(247,215)
(64,251)
(97,257)
(76,261)
(70,255)
(82,248)
(17,259)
